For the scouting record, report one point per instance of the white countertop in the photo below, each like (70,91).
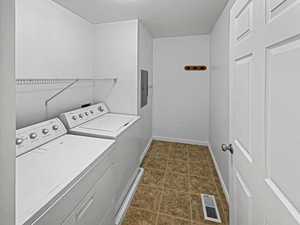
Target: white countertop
(43,173)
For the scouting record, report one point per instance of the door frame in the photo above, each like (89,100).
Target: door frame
(230,160)
(230,135)
(8,112)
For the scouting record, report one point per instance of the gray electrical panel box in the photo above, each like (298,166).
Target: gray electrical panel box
(144,88)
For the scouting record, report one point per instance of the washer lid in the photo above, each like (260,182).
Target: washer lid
(109,122)
(44,173)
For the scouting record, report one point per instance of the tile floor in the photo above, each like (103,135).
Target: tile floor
(175,174)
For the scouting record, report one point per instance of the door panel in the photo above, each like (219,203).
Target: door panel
(242,99)
(243,20)
(264,111)
(276,7)
(243,201)
(282,118)
(281,46)
(282,26)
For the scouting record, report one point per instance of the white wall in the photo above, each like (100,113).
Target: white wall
(117,54)
(123,49)
(219,91)
(181,98)
(145,63)
(51,42)
(7,118)
(31,99)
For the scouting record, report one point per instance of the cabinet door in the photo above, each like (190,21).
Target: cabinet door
(127,158)
(98,203)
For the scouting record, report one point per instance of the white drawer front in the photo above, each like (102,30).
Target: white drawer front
(66,204)
(97,204)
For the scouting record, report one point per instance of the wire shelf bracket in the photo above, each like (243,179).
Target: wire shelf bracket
(60,92)
(72,82)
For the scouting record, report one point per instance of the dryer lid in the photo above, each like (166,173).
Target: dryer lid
(109,122)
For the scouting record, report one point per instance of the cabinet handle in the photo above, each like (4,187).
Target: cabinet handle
(84,208)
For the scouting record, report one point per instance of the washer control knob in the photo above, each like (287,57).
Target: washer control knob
(55,127)
(91,111)
(80,116)
(45,131)
(86,113)
(19,141)
(33,136)
(100,109)
(74,117)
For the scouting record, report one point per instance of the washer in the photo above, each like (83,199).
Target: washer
(62,177)
(98,121)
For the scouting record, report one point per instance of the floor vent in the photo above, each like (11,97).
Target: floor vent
(210,209)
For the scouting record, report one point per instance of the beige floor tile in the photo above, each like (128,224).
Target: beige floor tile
(155,163)
(200,168)
(147,198)
(178,166)
(168,220)
(176,204)
(177,182)
(198,155)
(161,144)
(162,153)
(139,217)
(198,148)
(202,185)
(151,153)
(153,177)
(220,190)
(178,154)
(180,146)
(214,172)
(226,214)
(146,159)
(175,175)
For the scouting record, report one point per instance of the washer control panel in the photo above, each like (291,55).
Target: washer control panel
(77,117)
(38,134)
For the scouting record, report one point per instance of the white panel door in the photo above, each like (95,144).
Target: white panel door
(265,112)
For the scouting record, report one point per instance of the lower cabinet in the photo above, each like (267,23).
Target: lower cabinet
(96,207)
(89,201)
(127,157)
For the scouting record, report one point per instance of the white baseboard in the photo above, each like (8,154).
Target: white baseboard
(220,175)
(179,140)
(146,149)
(126,203)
